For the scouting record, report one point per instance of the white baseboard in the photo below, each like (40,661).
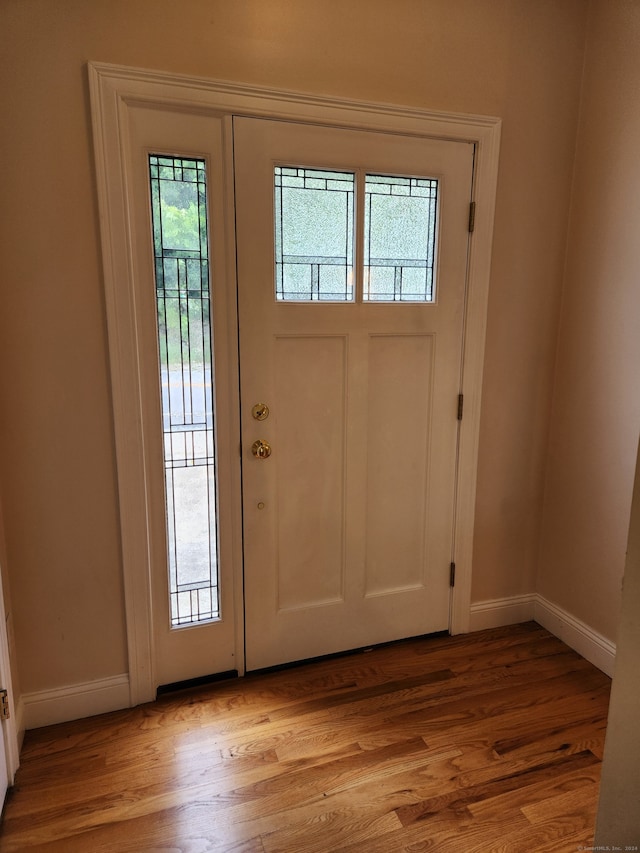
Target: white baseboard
(46,707)
(501,611)
(597,649)
(20,726)
(521,608)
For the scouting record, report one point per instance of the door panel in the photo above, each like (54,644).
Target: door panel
(310,438)
(348,525)
(399,409)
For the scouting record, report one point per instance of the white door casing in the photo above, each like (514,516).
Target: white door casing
(9,746)
(116,94)
(349,523)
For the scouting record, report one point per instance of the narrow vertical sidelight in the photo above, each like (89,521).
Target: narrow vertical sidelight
(181,256)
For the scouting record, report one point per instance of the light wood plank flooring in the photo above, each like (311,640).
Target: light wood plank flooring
(486,742)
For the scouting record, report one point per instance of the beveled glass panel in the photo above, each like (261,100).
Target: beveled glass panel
(179,219)
(313,235)
(400,217)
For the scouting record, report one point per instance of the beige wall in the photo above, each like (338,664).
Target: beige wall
(596,407)
(516,59)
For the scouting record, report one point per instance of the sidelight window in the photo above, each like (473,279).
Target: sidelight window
(180,238)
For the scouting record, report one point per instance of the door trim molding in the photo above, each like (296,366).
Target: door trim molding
(9,728)
(114,90)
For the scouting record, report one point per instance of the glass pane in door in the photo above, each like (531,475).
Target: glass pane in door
(179,219)
(400,217)
(313,235)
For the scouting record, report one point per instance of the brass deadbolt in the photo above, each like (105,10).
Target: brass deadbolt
(260,411)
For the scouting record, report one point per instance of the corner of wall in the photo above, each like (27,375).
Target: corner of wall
(579,636)
(561,306)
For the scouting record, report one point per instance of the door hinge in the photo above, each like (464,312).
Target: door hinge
(472,216)
(460,406)
(4,705)
(452,574)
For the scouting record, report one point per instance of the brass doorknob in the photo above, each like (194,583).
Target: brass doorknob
(261,449)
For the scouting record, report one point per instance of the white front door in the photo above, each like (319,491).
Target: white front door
(352,258)
(348,525)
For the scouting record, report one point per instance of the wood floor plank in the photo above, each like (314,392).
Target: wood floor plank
(466,797)
(511,801)
(486,742)
(353,715)
(330,833)
(579,800)
(564,835)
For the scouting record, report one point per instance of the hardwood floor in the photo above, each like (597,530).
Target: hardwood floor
(485,742)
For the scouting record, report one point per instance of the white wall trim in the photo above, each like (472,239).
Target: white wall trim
(595,648)
(20,724)
(8,728)
(46,707)
(501,611)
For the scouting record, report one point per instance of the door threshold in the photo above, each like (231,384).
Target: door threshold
(201,681)
(346,653)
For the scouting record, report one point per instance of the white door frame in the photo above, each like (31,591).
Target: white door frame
(11,729)
(114,91)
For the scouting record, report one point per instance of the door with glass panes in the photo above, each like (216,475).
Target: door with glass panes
(352,255)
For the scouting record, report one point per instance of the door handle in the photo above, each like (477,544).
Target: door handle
(261,449)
